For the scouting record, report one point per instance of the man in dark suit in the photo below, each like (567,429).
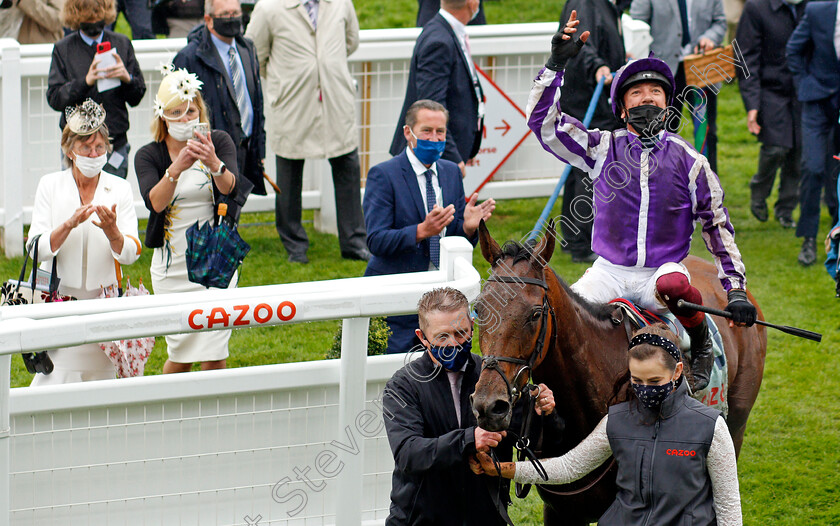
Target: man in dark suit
(413,200)
(812,57)
(442,70)
(427,9)
(773,113)
(226,62)
(433,432)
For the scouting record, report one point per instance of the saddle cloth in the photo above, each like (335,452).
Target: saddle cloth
(716,393)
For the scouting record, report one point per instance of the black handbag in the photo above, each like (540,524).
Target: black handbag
(11,294)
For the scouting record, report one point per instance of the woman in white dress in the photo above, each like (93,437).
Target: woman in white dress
(182,174)
(86,219)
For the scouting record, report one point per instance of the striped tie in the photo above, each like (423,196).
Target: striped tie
(239,89)
(312,11)
(431,201)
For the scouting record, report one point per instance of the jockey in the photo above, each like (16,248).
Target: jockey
(650,186)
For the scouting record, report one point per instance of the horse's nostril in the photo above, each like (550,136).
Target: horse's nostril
(500,408)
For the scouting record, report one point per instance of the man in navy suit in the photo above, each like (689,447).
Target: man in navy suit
(813,56)
(442,70)
(427,9)
(411,201)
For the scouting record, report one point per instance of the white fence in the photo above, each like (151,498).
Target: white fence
(510,55)
(293,444)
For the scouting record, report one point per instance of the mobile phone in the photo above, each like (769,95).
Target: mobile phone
(202,127)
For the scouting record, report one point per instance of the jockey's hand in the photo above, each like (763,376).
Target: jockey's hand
(563,47)
(743,312)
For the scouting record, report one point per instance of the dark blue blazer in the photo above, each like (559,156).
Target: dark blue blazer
(394,207)
(201,57)
(439,71)
(811,55)
(427,9)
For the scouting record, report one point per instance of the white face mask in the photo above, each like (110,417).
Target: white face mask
(182,131)
(90,166)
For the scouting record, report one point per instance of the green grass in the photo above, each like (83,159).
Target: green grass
(403,13)
(789,467)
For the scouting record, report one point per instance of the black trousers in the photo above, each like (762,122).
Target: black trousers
(772,159)
(575,225)
(346,174)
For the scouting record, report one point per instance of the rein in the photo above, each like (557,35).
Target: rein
(514,390)
(522,443)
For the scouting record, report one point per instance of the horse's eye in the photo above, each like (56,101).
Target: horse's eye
(536,315)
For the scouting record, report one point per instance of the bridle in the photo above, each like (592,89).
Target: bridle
(514,390)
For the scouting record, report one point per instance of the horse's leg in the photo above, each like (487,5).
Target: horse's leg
(745,383)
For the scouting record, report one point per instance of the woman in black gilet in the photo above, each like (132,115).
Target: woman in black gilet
(676,462)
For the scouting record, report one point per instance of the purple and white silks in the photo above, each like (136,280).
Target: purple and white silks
(645,200)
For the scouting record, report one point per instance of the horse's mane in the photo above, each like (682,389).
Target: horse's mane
(523,251)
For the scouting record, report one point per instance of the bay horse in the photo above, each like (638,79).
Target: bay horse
(582,353)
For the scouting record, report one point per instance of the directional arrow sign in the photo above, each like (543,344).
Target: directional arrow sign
(505,128)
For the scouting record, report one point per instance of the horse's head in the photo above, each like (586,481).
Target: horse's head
(514,319)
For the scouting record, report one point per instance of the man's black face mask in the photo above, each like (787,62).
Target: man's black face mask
(228,26)
(648,120)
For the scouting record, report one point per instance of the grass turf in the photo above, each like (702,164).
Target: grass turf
(789,463)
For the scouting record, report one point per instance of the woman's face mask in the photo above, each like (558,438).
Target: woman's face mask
(182,131)
(90,166)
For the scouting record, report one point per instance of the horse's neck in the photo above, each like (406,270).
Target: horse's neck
(586,356)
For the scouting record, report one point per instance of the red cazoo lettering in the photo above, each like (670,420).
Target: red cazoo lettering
(240,315)
(712,398)
(680,453)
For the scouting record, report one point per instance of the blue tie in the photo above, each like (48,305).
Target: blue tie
(431,201)
(686,36)
(239,90)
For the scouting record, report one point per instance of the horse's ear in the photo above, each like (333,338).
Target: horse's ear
(489,248)
(545,248)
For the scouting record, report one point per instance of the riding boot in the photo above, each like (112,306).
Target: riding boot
(702,355)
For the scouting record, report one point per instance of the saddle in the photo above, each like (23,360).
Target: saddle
(640,317)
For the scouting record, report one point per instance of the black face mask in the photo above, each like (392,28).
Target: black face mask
(92,29)
(228,27)
(647,120)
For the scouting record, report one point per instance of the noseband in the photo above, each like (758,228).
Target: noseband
(514,390)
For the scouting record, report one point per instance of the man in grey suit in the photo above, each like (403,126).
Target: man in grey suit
(680,28)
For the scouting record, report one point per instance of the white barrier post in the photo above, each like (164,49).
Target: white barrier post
(351,402)
(11,142)
(5,462)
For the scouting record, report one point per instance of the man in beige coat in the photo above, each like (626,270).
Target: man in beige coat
(32,21)
(302,47)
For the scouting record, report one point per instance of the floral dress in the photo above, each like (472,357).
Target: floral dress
(192,202)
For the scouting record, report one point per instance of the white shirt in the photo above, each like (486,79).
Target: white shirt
(461,33)
(420,170)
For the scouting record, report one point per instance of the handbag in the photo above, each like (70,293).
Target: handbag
(15,292)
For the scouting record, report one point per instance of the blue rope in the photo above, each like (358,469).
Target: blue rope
(590,111)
